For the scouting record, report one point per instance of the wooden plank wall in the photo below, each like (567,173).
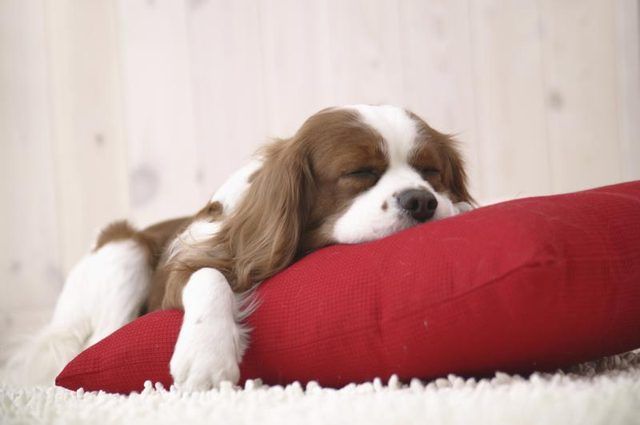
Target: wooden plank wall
(30,241)
(141,108)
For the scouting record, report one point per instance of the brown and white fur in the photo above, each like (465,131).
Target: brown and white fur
(350,174)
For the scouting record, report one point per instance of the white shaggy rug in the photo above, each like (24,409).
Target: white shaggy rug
(603,392)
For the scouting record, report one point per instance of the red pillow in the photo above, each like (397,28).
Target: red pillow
(530,284)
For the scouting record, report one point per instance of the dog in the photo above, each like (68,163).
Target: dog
(350,174)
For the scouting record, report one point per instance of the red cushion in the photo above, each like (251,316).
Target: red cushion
(530,284)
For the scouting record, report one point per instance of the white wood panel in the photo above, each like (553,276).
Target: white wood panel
(579,58)
(159,118)
(298,67)
(30,272)
(437,73)
(512,138)
(143,107)
(228,87)
(89,148)
(628,66)
(366,55)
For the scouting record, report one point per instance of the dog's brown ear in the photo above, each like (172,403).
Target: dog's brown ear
(454,175)
(264,232)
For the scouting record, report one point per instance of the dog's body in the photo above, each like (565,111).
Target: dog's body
(349,175)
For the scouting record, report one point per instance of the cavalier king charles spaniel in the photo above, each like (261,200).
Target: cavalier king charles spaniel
(350,174)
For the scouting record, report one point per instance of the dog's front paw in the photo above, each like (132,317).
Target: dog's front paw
(199,367)
(462,207)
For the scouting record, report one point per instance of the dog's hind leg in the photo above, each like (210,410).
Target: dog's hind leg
(103,292)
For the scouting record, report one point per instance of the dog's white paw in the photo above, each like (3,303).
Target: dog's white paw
(208,350)
(198,367)
(462,207)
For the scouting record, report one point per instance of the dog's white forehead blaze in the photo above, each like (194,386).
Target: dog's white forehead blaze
(375,213)
(396,127)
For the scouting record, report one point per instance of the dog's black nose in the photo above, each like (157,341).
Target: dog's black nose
(419,203)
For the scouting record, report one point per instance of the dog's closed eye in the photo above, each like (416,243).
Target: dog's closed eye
(364,173)
(428,172)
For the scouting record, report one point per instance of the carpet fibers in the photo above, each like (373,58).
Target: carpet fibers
(603,392)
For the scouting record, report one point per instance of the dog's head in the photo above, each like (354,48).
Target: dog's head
(350,174)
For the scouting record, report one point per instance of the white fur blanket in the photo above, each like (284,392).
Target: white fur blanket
(603,392)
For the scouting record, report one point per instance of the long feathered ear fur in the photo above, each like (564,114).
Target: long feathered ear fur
(263,234)
(454,174)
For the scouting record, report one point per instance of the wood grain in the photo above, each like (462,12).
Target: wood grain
(142,108)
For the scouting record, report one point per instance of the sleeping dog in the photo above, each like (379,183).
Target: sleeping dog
(350,174)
